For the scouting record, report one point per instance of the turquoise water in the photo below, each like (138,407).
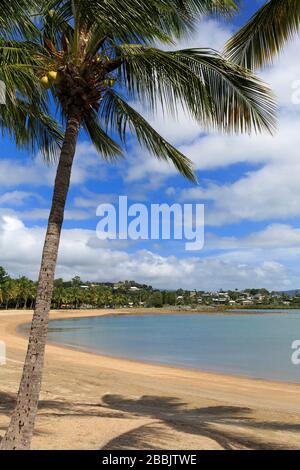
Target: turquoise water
(252,345)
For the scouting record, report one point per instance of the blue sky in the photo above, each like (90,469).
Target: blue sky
(249,185)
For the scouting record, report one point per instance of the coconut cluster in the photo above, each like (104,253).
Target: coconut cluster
(49,79)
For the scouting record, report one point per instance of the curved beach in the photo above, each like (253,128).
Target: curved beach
(90,401)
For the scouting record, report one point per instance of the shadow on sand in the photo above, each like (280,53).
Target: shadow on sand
(215,422)
(232,427)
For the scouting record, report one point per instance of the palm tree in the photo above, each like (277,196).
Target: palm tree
(3,280)
(25,288)
(9,291)
(264,36)
(94,58)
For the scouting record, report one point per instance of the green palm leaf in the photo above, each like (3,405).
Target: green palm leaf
(120,117)
(106,146)
(25,116)
(264,36)
(139,20)
(32,127)
(219,94)
(15,17)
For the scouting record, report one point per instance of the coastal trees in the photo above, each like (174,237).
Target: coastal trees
(24,287)
(95,59)
(4,282)
(101,295)
(3,276)
(264,36)
(156,299)
(10,292)
(16,292)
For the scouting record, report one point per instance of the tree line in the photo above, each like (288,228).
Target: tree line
(20,293)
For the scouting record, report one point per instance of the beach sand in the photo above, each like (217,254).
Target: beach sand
(96,402)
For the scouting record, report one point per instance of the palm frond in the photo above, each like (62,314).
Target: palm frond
(15,17)
(217,93)
(19,64)
(25,116)
(32,127)
(121,117)
(105,145)
(55,24)
(141,20)
(44,134)
(264,36)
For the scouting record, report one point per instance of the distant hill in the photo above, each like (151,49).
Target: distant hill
(291,293)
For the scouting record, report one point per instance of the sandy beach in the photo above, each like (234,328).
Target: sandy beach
(96,402)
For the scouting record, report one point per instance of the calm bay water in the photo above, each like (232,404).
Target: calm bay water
(252,345)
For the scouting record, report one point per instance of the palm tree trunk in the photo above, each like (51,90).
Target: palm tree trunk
(20,430)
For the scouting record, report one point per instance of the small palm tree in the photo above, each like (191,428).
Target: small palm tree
(264,36)
(94,58)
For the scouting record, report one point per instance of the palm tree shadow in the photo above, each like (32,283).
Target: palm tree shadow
(169,414)
(215,422)
(60,408)
(8,402)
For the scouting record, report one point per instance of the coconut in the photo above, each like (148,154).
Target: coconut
(53,75)
(45,81)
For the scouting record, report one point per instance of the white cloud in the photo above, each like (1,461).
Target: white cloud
(43,214)
(81,253)
(209,33)
(272,236)
(270,193)
(17,198)
(35,172)
(283,73)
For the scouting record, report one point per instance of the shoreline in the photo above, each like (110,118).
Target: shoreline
(83,390)
(136,312)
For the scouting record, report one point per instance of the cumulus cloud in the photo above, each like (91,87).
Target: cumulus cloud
(83,254)
(17,198)
(272,236)
(36,173)
(271,192)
